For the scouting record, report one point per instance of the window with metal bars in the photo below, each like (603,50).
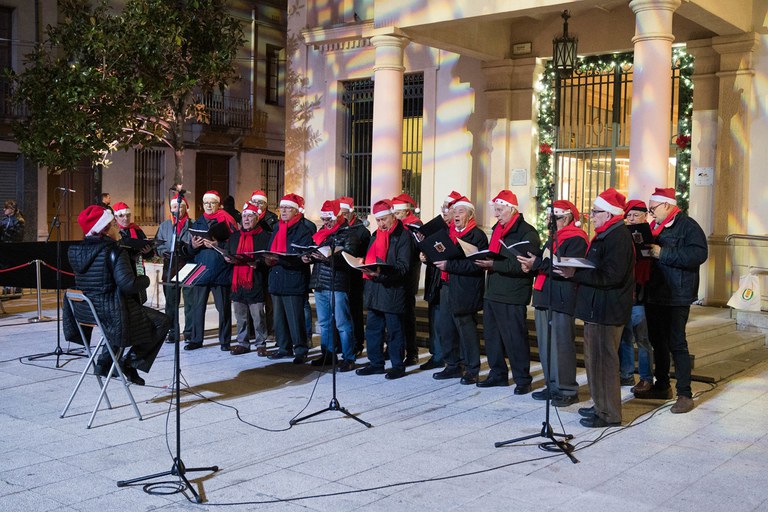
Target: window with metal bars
(357,104)
(149,196)
(273,180)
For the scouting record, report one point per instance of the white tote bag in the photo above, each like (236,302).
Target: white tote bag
(747,297)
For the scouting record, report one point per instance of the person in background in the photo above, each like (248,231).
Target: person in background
(229,206)
(405,210)
(12,224)
(356,285)
(106,201)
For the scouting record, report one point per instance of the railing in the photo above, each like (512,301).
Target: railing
(9,110)
(227,111)
(747,259)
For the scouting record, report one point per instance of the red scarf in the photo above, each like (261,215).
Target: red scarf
(180,224)
(563,234)
(324,232)
(656,229)
(280,242)
(133,229)
(242,275)
(455,234)
(222,216)
(411,219)
(378,250)
(499,232)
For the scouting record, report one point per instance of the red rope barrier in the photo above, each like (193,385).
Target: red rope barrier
(57,270)
(17,267)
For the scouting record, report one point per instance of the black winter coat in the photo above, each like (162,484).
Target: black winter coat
(507,283)
(674,277)
(466,281)
(605,292)
(258,291)
(387,292)
(103,272)
(322,275)
(285,278)
(563,290)
(218,272)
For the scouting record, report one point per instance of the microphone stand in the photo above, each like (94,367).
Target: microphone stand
(546,427)
(178,468)
(56,224)
(334,404)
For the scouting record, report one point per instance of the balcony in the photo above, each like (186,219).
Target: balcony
(9,111)
(226,112)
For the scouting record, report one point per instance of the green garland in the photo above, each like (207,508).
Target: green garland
(599,65)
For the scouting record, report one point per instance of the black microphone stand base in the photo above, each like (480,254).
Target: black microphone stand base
(333,406)
(547,433)
(178,469)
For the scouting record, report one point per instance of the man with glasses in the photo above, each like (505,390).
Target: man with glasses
(679,251)
(604,303)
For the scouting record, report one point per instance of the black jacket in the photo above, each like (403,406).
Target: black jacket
(12,229)
(103,272)
(387,292)
(507,283)
(563,290)
(674,277)
(466,281)
(285,278)
(322,273)
(257,292)
(605,292)
(218,272)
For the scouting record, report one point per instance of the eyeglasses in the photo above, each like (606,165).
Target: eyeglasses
(652,209)
(211,204)
(595,212)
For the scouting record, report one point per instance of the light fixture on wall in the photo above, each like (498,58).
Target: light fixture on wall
(564,49)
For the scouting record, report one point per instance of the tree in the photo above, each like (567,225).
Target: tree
(104,81)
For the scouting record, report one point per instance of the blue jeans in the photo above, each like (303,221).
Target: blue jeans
(637,331)
(343,318)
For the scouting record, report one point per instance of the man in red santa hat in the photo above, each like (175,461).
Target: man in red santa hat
(360,228)
(405,210)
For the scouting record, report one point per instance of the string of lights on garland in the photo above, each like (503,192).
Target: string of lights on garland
(594,65)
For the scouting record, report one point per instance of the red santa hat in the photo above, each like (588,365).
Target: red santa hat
(612,201)
(212,195)
(175,199)
(664,195)
(346,203)
(452,198)
(251,209)
(404,202)
(563,207)
(382,208)
(506,198)
(330,209)
(463,201)
(293,201)
(637,205)
(94,219)
(258,195)
(121,208)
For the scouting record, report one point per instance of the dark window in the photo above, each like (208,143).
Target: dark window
(275,75)
(273,180)
(149,197)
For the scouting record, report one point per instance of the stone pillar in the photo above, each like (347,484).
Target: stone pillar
(387,149)
(651,96)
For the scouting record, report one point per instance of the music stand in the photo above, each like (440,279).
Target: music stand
(178,468)
(58,351)
(546,427)
(334,405)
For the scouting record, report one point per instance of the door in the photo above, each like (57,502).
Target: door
(211,173)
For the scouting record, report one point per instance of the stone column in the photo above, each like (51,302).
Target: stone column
(387,149)
(651,96)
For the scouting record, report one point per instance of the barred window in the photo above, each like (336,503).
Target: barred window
(275,75)
(149,197)
(273,180)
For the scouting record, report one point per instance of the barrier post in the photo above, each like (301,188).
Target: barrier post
(40,317)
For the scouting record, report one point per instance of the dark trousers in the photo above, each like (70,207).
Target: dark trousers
(222,299)
(458,336)
(559,363)
(666,330)
(172,299)
(356,308)
(409,326)
(378,325)
(143,352)
(601,358)
(290,324)
(505,332)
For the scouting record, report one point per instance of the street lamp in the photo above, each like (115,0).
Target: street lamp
(564,48)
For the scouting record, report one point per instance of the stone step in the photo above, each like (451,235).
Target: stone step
(725,368)
(720,348)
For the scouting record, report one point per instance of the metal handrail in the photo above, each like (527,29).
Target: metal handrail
(744,236)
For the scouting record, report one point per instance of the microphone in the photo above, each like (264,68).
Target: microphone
(181,192)
(66,189)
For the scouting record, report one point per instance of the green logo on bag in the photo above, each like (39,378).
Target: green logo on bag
(747,294)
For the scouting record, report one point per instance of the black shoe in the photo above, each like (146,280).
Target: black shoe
(541,394)
(370,370)
(431,364)
(102,369)
(225,347)
(627,381)
(597,422)
(193,345)
(468,379)
(279,355)
(448,373)
(132,375)
(395,373)
(655,393)
(522,389)
(587,412)
(346,366)
(411,360)
(493,381)
(565,401)
(299,359)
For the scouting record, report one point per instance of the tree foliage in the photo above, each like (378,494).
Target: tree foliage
(104,81)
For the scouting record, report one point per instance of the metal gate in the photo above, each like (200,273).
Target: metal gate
(357,104)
